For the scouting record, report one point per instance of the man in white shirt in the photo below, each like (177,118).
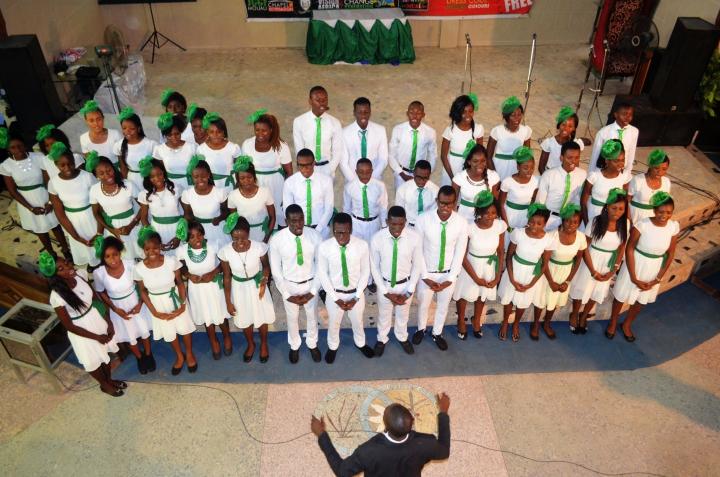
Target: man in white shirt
(366,200)
(344,270)
(396,262)
(561,185)
(312,191)
(418,195)
(622,130)
(444,236)
(293,253)
(320,132)
(410,142)
(364,138)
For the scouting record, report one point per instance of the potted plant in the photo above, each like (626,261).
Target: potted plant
(709,90)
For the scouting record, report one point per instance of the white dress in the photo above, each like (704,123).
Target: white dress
(90,353)
(553,148)
(187,135)
(531,250)
(122,206)
(250,309)
(254,209)
(469,189)
(483,244)
(653,240)
(458,141)
(163,294)
(206,300)
(601,187)
(221,163)
(49,166)
(175,161)
(135,153)
(123,293)
(560,266)
(269,171)
(506,143)
(104,149)
(519,197)
(204,209)
(584,287)
(164,212)
(641,193)
(75,197)
(28,178)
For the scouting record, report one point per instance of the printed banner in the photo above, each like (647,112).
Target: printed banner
(284,9)
(464,8)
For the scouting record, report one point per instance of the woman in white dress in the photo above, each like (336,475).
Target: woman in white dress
(461,136)
(518,191)
(599,183)
(650,251)
(47,136)
(205,202)
(472,180)
(246,270)
(160,203)
(163,291)
(175,153)
(527,259)
(195,116)
(69,194)
(23,176)
(483,265)
(601,260)
(133,147)
(644,186)
(204,289)
(113,204)
(252,201)
(553,289)
(90,333)
(114,284)
(507,137)
(270,156)
(567,124)
(219,152)
(98,138)
(176,104)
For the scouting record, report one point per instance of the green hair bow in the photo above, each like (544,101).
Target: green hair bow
(98,245)
(614,194)
(125,114)
(565,112)
(656,157)
(469,147)
(46,264)
(510,105)
(145,166)
(484,198)
(56,149)
(165,96)
(659,198)
(89,107)
(569,210)
(165,121)
(209,118)
(242,164)
(144,234)
(4,138)
(611,150)
(44,132)
(474,99)
(194,160)
(181,230)
(91,161)
(256,115)
(523,154)
(534,208)
(191,110)
(231,222)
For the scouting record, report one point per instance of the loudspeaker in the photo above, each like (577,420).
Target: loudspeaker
(26,79)
(691,44)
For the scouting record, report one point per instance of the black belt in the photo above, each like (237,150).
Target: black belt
(370,219)
(410,171)
(440,271)
(322,163)
(411,224)
(354,290)
(300,283)
(397,282)
(555,213)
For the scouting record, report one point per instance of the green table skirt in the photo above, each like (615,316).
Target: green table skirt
(326,45)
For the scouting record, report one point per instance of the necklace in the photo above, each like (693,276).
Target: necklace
(200,257)
(243,260)
(110,194)
(24,164)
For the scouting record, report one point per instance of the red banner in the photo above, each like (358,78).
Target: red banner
(464,8)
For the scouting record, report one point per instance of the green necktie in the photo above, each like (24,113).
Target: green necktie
(318,139)
(298,250)
(620,133)
(443,239)
(393,270)
(366,206)
(413,154)
(363,143)
(308,202)
(566,193)
(343,263)
(421,206)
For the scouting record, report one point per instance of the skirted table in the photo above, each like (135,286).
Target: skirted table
(380,35)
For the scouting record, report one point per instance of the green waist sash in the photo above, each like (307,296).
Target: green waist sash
(203,221)
(490,259)
(122,215)
(594,201)
(505,157)
(562,262)
(96,304)
(265,224)
(173,295)
(640,205)
(177,175)
(613,255)
(456,154)
(169,220)
(664,256)
(258,277)
(537,270)
(29,187)
(76,209)
(229,179)
(135,291)
(130,169)
(280,170)
(516,206)
(467,203)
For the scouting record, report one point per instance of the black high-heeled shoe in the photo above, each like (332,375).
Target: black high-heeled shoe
(193,368)
(141,365)
(150,362)
(264,359)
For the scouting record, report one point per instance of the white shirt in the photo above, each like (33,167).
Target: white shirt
(409,258)
(73,193)
(458,138)
(323,196)
(407,195)
(268,161)
(377,199)
(220,160)
(377,148)
(283,259)
(104,149)
(175,160)
(552,187)
(48,165)
(554,148)
(629,140)
(456,237)
(331,138)
(357,258)
(114,204)
(135,152)
(401,146)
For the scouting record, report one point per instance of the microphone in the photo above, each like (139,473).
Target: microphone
(467,39)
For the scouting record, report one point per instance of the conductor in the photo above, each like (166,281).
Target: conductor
(399,451)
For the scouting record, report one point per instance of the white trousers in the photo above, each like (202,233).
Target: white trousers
(293,313)
(364,229)
(399,180)
(385,312)
(425,295)
(335,316)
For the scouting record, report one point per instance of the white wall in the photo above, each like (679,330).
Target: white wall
(668,11)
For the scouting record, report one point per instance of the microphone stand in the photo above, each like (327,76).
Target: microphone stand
(597,90)
(468,62)
(529,76)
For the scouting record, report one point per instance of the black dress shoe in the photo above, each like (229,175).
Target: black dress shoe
(323,295)
(379,349)
(373,288)
(609,335)
(582,330)
(264,359)
(418,337)
(628,338)
(193,368)
(440,342)
(150,362)
(216,356)
(247,358)
(294,355)
(478,334)
(366,350)
(175,371)
(330,356)
(407,347)
(227,351)
(315,353)
(141,365)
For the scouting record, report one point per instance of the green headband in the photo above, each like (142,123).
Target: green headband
(614,194)
(510,105)
(659,198)
(242,164)
(126,113)
(3,138)
(89,107)
(56,149)
(145,166)
(569,210)
(523,154)
(165,96)
(209,118)
(194,160)
(165,121)
(98,245)
(181,230)
(44,132)
(611,150)
(252,119)
(231,222)
(565,112)
(144,234)
(469,147)
(474,98)
(484,198)
(534,208)
(192,109)
(91,161)
(656,157)
(46,264)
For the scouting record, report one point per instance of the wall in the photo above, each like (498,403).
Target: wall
(668,11)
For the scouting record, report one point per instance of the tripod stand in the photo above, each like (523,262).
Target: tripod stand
(156,36)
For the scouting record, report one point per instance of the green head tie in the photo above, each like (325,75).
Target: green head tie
(56,149)
(91,161)
(510,105)
(46,264)
(659,198)
(192,109)
(144,234)
(165,121)
(231,222)
(242,164)
(181,230)
(614,194)
(4,139)
(523,154)
(474,98)
(145,166)
(565,112)
(194,160)
(98,245)
(89,107)
(209,118)
(484,198)
(611,150)
(534,208)
(165,96)
(252,119)
(44,132)
(126,113)
(469,147)
(656,157)
(569,210)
